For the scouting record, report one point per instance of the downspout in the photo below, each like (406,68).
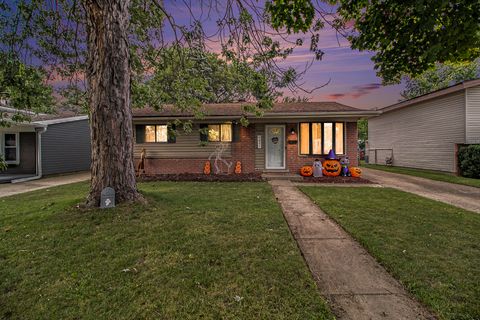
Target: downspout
(38,173)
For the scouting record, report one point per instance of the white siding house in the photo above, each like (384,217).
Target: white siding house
(426,131)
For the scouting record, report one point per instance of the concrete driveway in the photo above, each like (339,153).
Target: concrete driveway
(455,194)
(9,189)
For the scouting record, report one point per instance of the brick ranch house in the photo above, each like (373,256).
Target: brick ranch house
(285,138)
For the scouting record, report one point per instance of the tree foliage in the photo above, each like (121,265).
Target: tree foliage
(23,87)
(407,37)
(362,126)
(439,77)
(188,77)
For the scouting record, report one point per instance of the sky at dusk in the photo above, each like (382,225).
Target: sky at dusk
(350,73)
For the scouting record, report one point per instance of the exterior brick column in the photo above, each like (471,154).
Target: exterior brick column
(244,149)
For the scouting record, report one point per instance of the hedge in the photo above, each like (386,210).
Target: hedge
(469,161)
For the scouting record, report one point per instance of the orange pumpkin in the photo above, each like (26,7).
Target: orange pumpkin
(332,168)
(355,171)
(238,167)
(207,168)
(306,171)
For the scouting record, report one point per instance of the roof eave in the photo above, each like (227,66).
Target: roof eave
(432,95)
(286,115)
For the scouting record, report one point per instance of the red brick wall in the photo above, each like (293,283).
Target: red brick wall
(243,150)
(296,161)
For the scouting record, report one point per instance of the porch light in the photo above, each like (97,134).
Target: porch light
(292,137)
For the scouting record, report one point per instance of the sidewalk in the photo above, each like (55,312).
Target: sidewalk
(354,284)
(9,189)
(461,196)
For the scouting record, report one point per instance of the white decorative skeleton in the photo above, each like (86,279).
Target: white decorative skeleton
(217,153)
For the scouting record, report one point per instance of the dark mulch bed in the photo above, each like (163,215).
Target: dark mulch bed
(244,177)
(336,180)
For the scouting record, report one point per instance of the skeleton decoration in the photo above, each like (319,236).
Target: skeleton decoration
(217,154)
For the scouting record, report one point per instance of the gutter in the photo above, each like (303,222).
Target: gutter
(38,173)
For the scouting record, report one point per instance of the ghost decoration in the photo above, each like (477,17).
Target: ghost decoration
(317,168)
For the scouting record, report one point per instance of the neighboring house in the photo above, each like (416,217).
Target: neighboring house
(49,144)
(425,132)
(284,139)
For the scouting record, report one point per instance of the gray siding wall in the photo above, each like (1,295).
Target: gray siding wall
(422,135)
(28,155)
(187,145)
(472,115)
(259,152)
(66,147)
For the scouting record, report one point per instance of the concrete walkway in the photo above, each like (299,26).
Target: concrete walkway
(355,285)
(455,194)
(9,189)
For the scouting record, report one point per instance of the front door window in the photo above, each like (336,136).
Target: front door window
(275,147)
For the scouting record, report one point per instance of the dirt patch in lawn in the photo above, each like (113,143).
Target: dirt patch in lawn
(339,180)
(245,177)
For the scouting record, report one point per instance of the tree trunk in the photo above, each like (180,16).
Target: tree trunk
(108,78)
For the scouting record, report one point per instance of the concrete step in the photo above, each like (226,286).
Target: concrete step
(282,176)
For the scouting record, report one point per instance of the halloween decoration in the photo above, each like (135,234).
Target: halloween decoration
(317,168)
(355,171)
(345,162)
(331,155)
(207,168)
(141,164)
(218,155)
(306,171)
(238,167)
(331,168)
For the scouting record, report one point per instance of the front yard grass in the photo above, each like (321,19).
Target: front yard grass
(197,250)
(431,247)
(428,174)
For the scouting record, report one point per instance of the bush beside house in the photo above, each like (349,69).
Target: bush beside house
(469,161)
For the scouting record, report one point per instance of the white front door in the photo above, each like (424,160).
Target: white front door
(275,147)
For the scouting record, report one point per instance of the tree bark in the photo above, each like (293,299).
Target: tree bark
(108,80)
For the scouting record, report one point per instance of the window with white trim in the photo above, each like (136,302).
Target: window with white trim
(11,148)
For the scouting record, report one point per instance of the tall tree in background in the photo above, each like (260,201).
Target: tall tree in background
(407,37)
(439,77)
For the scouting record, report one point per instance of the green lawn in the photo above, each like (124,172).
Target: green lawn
(429,174)
(197,250)
(431,247)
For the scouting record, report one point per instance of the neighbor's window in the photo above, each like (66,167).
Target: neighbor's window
(320,137)
(11,148)
(220,132)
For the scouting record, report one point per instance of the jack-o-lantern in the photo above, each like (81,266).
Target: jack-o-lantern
(332,168)
(207,168)
(306,171)
(355,171)
(238,167)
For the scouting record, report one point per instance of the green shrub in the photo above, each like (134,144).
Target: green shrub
(3,164)
(469,161)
